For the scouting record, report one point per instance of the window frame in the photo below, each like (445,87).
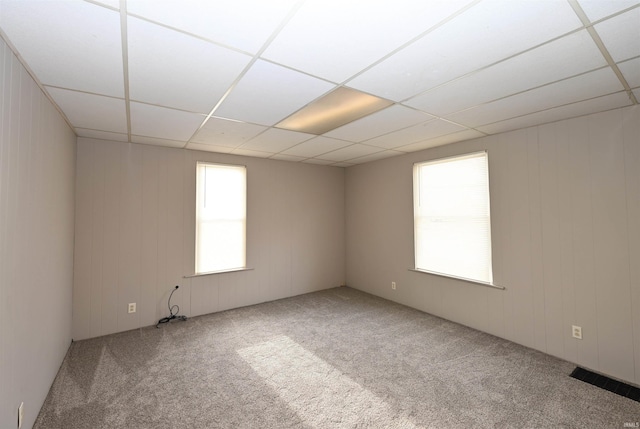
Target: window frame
(198,220)
(416,198)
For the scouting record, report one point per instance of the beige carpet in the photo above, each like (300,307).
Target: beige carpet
(338,358)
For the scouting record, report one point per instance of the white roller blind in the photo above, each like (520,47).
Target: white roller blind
(452,223)
(220,217)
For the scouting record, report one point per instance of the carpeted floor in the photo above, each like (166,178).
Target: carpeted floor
(338,358)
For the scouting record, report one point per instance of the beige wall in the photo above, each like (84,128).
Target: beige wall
(565,201)
(135,223)
(37,156)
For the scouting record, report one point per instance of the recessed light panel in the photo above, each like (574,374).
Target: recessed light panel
(339,107)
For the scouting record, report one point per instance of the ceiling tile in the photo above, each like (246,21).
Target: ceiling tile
(268,93)
(598,9)
(349,152)
(276,140)
(316,146)
(631,71)
(283,157)
(223,132)
(385,121)
(593,84)
(563,58)
(324,38)
(415,133)
(636,92)
(342,164)
(160,122)
(153,141)
(172,69)
(253,153)
(317,161)
(581,108)
(488,32)
(209,148)
(621,35)
(68,44)
(242,24)
(442,140)
(101,135)
(96,112)
(376,156)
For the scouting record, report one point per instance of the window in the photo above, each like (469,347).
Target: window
(220,217)
(452,224)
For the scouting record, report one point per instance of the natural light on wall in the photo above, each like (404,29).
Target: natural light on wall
(220,217)
(452,221)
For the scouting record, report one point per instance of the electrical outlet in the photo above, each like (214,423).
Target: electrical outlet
(393,285)
(576,331)
(132,307)
(20,414)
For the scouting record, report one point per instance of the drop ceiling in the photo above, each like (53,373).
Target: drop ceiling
(218,75)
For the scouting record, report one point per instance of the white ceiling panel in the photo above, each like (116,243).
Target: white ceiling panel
(325,40)
(209,148)
(253,153)
(91,111)
(175,70)
(631,71)
(276,140)
(350,152)
(581,108)
(156,141)
(621,35)
(242,24)
(69,44)
(268,93)
(385,121)
(593,84)
(415,133)
(563,58)
(316,146)
(375,157)
(636,92)
(442,140)
(488,32)
(598,9)
(160,122)
(283,157)
(222,132)
(317,161)
(102,135)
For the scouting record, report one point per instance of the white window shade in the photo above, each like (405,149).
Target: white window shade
(452,223)
(220,217)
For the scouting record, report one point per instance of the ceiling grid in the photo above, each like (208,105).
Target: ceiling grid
(227,75)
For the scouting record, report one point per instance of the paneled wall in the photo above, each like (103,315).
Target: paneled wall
(37,156)
(565,203)
(135,239)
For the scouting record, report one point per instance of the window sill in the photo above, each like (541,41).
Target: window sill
(477,282)
(211,273)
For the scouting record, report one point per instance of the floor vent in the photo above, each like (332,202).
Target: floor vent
(617,387)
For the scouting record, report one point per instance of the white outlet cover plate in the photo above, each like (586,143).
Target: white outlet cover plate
(576,332)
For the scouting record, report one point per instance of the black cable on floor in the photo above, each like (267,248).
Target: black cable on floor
(172,315)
